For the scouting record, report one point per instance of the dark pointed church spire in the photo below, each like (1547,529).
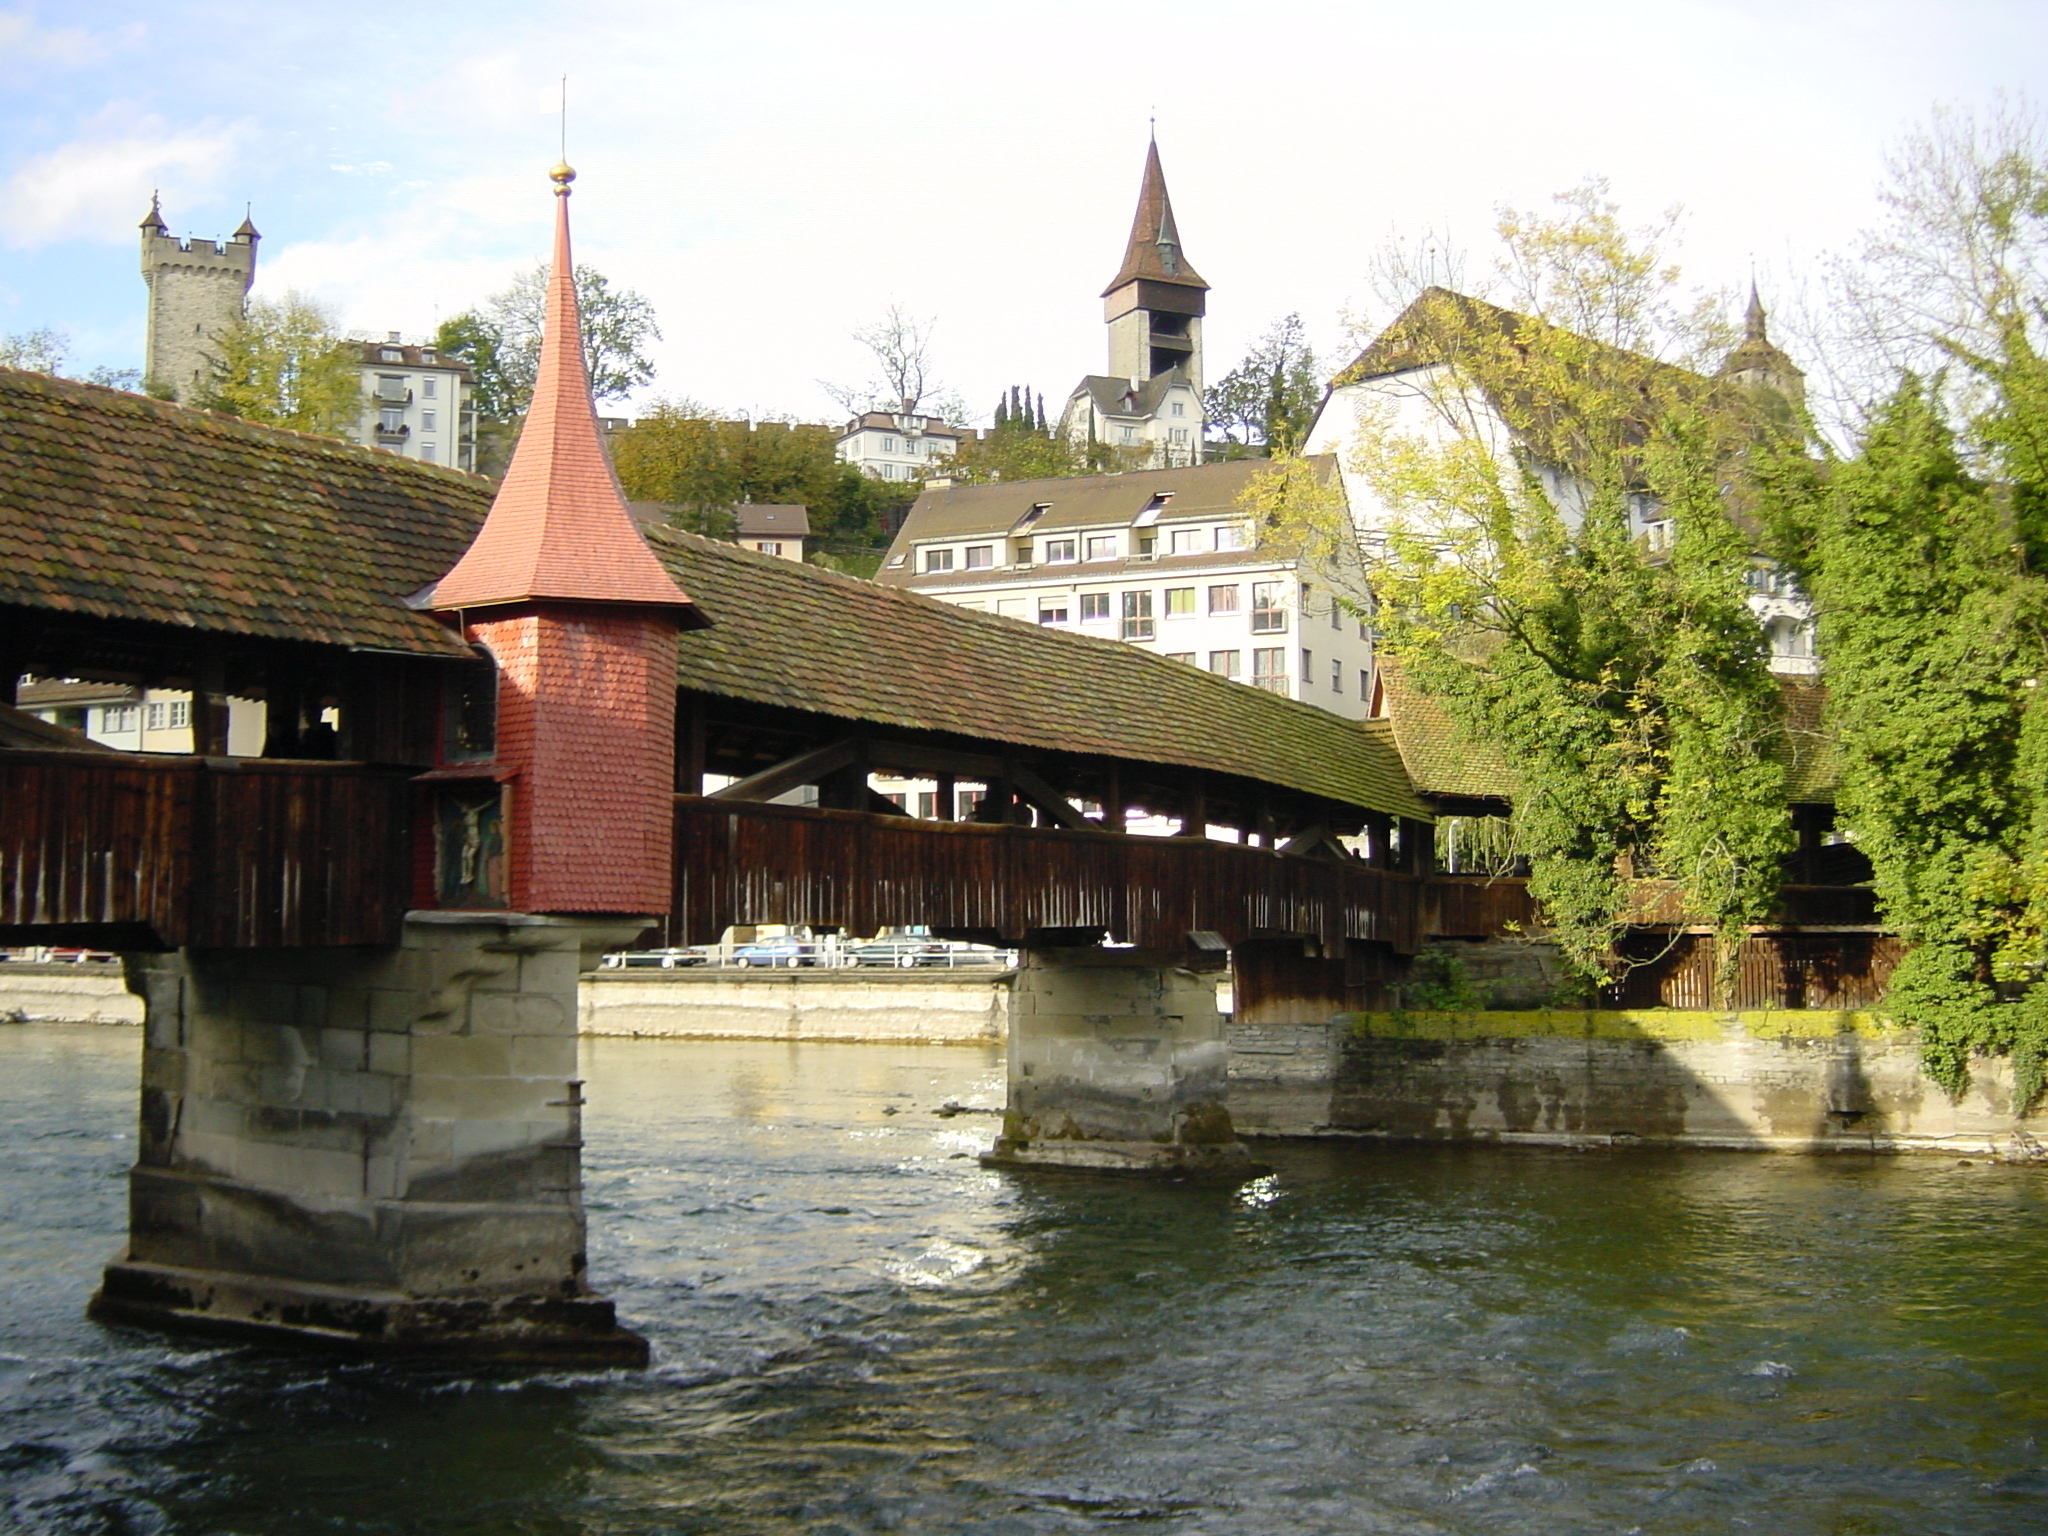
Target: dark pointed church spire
(1154,251)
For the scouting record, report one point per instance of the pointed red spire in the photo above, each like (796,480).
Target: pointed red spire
(559,528)
(1154,251)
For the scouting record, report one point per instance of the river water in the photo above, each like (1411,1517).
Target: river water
(856,1328)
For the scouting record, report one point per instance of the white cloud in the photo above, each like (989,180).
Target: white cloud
(95,187)
(23,42)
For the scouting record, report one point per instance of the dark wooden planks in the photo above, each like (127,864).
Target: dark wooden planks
(235,853)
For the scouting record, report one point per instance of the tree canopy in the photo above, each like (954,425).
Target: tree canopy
(1270,397)
(285,364)
(500,340)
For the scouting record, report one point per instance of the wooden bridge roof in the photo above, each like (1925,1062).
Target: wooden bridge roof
(115,506)
(808,639)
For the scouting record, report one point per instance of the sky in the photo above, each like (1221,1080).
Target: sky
(774,174)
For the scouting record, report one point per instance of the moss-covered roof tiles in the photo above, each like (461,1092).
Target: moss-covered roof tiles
(120,507)
(807,639)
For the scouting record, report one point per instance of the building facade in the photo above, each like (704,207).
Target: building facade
(1163,559)
(897,445)
(1148,405)
(779,529)
(197,288)
(1399,385)
(131,719)
(416,402)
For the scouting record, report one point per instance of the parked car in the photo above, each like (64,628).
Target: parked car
(900,952)
(908,953)
(776,952)
(665,959)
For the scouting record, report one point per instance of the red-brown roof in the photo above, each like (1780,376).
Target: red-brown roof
(1143,257)
(559,527)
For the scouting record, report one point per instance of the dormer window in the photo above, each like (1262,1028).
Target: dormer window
(1038,510)
(391,355)
(1152,509)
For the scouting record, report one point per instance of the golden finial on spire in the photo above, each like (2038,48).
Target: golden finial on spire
(561,176)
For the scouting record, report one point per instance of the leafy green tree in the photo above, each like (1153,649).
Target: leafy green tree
(1023,447)
(1270,397)
(500,340)
(1627,686)
(44,350)
(1934,622)
(285,364)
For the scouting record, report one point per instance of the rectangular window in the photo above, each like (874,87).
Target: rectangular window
(429,387)
(1308,669)
(981,557)
(1222,600)
(888,445)
(1137,624)
(1127,434)
(1336,675)
(1186,656)
(429,422)
(1365,685)
(927,804)
(1180,602)
(389,420)
(390,355)
(1180,408)
(1269,614)
(769,547)
(1336,615)
(938,559)
(155,717)
(1094,606)
(1269,669)
(1177,434)
(1057,552)
(1102,546)
(181,714)
(1187,541)
(1226,663)
(118,717)
(1053,610)
(427,453)
(1230,536)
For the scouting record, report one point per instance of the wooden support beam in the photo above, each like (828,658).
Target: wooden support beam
(1116,809)
(790,773)
(948,797)
(1194,821)
(210,704)
(1049,800)
(693,743)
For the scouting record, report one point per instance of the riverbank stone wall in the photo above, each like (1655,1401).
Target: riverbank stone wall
(1789,1080)
(924,1006)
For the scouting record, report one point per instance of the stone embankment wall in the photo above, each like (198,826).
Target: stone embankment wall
(923,1006)
(1779,1081)
(66,994)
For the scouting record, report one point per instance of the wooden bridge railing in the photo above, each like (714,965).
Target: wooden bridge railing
(748,862)
(138,851)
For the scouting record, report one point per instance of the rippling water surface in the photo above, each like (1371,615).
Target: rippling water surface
(856,1328)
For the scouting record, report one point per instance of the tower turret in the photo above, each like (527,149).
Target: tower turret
(197,288)
(1757,364)
(580,620)
(1155,303)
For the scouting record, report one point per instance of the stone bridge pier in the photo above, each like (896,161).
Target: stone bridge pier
(371,1148)
(1117,1062)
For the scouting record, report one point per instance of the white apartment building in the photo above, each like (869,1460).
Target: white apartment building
(1161,558)
(132,719)
(897,445)
(416,403)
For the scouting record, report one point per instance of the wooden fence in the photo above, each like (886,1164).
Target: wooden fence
(746,862)
(140,851)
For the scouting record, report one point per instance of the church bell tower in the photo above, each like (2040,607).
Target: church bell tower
(1154,305)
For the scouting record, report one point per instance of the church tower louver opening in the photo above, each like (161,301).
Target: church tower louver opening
(1148,406)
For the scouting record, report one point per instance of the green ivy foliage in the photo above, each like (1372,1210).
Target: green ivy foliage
(1932,616)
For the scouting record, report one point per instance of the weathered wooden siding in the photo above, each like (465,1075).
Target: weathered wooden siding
(212,853)
(1784,970)
(756,863)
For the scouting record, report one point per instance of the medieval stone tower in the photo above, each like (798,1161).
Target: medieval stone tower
(196,289)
